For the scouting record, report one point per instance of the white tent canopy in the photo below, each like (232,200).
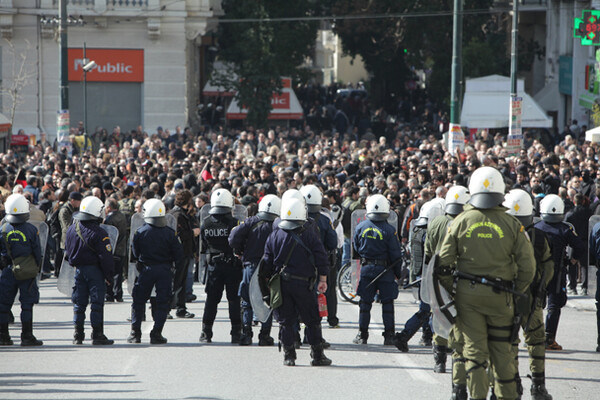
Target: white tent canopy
(486,104)
(593,135)
(215,90)
(285,105)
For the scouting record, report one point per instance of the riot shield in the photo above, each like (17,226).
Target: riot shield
(442,305)
(592,283)
(43,232)
(137,220)
(359,216)
(240,212)
(261,310)
(66,278)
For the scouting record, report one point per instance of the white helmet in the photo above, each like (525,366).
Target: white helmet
(378,207)
(313,197)
(293,214)
(269,207)
(520,205)
(221,202)
(456,198)
(486,187)
(17,208)
(154,212)
(91,208)
(292,194)
(552,208)
(430,210)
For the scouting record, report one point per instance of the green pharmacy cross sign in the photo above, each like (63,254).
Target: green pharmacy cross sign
(588,28)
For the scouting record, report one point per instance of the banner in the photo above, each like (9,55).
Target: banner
(456,139)
(514,143)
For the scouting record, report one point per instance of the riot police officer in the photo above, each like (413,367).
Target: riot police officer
(520,205)
(248,240)
(559,235)
(456,198)
(377,244)
(224,271)
(299,257)
(88,248)
(485,242)
(20,243)
(156,247)
(428,212)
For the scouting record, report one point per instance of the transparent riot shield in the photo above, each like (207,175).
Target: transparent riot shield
(442,305)
(43,232)
(261,310)
(137,220)
(66,278)
(240,212)
(591,276)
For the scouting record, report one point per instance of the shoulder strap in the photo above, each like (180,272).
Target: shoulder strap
(78,230)
(298,240)
(257,225)
(287,259)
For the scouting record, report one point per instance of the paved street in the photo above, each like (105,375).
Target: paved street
(185,369)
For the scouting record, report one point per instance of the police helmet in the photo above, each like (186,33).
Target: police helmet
(17,209)
(520,205)
(552,208)
(430,210)
(221,202)
(313,197)
(378,208)
(292,194)
(153,211)
(456,198)
(269,207)
(91,209)
(293,214)
(486,187)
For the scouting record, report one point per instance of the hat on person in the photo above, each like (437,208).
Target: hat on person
(107,186)
(75,196)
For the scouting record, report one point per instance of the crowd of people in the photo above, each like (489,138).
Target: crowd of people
(343,150)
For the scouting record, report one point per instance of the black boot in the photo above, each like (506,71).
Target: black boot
(362,337)
(459,392)
(98,337)
(27,338)
(207,333)
(401,341)
(427,337)
(538,389)
(246,338)
(298,341)
(265,339)
(5,339)
(135,336)
(439,356)
(388,337)
(156,337)
(79,335)
(289,356)
(236,333)
(318,357)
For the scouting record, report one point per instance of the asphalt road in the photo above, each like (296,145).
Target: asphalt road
(186,369)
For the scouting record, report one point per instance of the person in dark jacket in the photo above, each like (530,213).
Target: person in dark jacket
(116,218)
(579,217)
(88,248)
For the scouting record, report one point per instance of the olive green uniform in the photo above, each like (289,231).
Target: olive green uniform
(436,232)
(492,244)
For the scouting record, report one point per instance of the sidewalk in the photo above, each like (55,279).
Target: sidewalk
(582,303)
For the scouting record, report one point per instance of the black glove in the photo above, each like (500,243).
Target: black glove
(139,266)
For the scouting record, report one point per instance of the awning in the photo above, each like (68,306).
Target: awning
(486,104)
(285,105)
(593,135)
(549,97)
(215,90)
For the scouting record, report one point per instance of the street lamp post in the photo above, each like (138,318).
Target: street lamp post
(88,65)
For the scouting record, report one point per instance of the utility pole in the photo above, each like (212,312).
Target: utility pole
(514,142)
(456,138)
(62,116)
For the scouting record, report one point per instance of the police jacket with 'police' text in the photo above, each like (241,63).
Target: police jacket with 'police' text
(152,245)
(97,251)
(377,240)
(249,238)
(215,232)
(280,243)
(23,240)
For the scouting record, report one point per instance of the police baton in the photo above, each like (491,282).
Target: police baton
(392,265)
(487,282)
(413,283)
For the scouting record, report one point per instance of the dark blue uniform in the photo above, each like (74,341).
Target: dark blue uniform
(94,262)
(559,235)
(326,233)
(298,293)
(248,239)
(156,248)
(24,240)
(224,271)
(595,250)
(376,242)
